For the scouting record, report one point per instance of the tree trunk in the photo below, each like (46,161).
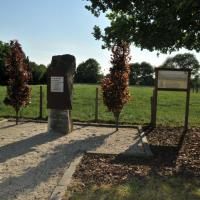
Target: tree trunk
(116,115)
(17,117)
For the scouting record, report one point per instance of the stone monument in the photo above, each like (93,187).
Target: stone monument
(60,75)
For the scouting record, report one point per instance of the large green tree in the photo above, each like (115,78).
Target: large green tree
(4,49)
(141,74)
(183,61)
(162,25)
(88,72)
(39,73)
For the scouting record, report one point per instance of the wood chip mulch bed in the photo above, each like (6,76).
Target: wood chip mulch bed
(173,155)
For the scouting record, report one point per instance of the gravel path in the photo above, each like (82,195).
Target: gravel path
(32,161)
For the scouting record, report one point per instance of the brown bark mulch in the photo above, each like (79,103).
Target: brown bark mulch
(173,155)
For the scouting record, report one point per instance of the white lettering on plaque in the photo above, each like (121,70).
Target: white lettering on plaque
(57,84)
(172,79)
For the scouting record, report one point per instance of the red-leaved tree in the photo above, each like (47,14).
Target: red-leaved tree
(115,85)
(18,76)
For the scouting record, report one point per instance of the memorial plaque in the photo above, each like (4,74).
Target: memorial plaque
(57,84)
(172,79)
(60,75)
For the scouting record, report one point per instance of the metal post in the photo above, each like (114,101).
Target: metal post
(41,104)
(96,105)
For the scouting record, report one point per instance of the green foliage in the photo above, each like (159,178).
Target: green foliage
(4,49)
(141,74)
(159,25)
(196,83)
(39,73)
(88,72)
(18,74)
(183,61)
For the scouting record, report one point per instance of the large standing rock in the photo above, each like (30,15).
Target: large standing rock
(60,75)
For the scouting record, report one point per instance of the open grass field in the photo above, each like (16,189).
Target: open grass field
(171,106)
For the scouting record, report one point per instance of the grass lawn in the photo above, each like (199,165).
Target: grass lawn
(152,188)
(171,106)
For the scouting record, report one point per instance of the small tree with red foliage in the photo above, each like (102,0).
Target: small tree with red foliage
(115,85)
(18,74)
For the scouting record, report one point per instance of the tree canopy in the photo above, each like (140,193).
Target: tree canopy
(39,73)
(141,74)
(161,25)
(88,72)
(4,49)
(183,61)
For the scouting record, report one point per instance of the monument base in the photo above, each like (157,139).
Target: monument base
(59,121)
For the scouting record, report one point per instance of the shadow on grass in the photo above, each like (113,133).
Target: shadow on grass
(151,188)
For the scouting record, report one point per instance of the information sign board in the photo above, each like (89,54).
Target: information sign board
(172,79)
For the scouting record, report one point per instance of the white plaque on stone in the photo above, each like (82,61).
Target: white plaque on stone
(172,79)
(57,84)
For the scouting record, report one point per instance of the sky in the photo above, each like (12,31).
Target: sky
(46,28)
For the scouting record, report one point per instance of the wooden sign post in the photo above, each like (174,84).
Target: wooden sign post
(172,80)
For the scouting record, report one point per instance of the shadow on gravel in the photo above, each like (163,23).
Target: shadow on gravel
(167,153)
(62,156)
(24,146)
(163,155)
(11,125)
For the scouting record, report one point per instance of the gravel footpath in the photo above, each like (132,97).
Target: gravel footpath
(32,161)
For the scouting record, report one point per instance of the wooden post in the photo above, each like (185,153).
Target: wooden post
(187,103)
(41,103)
(116,120)
(97,105)
(17,117)
(152,110)
(154,101)
(155,96)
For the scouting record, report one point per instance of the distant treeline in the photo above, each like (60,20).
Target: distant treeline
(90,70)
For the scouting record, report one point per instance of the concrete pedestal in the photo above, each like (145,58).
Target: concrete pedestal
(59,121)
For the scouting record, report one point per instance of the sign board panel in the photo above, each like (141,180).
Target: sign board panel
(168,79)
(57,84)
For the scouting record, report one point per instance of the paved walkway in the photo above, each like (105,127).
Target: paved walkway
(32,161)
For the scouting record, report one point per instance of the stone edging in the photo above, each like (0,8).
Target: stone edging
(61,188)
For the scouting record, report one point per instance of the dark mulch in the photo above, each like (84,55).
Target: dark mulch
(173,155)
